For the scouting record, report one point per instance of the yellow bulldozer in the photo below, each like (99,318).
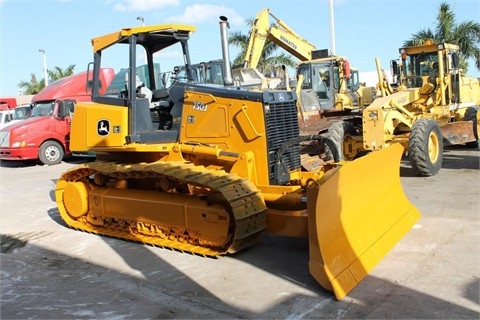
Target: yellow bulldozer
(218,165)
(431,102)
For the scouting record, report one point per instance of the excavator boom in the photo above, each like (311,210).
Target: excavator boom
(280,34)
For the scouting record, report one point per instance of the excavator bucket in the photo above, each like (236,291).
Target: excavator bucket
(356,215)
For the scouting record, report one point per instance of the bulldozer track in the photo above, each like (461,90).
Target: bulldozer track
(241,199)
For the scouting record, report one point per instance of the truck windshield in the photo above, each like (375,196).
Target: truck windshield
(21,113)
(43,109)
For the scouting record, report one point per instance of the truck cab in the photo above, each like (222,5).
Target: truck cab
(6,115)
(45,135)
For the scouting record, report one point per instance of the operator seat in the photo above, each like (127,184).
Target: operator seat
(143,91)
(163,105)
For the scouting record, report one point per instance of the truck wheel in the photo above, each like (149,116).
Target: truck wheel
(50,153)
(336,135)
(425,147)
(471,115)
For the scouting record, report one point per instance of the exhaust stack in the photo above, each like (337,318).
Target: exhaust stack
(227,78)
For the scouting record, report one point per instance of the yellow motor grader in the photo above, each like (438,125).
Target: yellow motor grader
(217,165)
(432,101)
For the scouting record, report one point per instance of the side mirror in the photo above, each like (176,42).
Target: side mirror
(61,109)
(394,65)
(455,60)
(395,70)
(164,79)
(65,108)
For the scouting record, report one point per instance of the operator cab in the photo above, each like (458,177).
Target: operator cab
(154,105)
(423,66)
(420,69)
(203,72)
(323,78)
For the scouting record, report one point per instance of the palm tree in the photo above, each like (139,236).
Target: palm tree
(34,86)
(58,73)
(465,34)
(268,62)
(240,40)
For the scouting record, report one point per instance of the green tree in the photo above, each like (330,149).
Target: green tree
(268,61)
(31,87)
(58,73)
(465,34)
(34,86)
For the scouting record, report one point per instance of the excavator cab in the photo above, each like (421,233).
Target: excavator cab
(322,78)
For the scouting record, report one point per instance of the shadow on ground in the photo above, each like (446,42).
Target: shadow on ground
(45,284)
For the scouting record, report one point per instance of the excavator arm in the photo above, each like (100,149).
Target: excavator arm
(280,34)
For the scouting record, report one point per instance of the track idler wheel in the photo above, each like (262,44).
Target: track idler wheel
(75,199)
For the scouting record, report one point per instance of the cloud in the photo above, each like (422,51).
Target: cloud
(142,5)
(206,12)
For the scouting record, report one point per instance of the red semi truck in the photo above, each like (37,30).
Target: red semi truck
(7,103)
(45,135)
(7,106)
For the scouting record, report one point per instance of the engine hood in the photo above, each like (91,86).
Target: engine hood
(33,124)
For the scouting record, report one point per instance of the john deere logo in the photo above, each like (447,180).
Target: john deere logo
(103,127)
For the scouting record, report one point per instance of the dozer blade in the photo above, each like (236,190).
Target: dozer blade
(356,215)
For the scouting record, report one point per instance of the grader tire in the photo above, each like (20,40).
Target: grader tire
(331,150)
(425,148)
(471,115)
(336,135)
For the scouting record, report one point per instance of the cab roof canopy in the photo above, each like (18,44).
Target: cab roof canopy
(429,47)
(155,37)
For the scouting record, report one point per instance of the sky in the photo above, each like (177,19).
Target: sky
(364,29)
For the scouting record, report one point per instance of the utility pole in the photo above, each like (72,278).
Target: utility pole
(45,73)
(332,28)
(144,53)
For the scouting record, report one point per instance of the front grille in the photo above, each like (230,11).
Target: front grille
(4,139)
(282,126)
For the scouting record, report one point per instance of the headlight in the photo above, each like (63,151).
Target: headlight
(18,144)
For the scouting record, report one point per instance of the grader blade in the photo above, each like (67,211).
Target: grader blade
(356,215)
